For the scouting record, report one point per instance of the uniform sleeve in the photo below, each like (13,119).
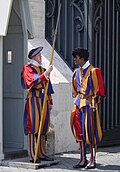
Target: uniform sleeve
(101,86)
(29,78)
(50,100)
(74,85)
(50,88)
(50,92)
(98,83)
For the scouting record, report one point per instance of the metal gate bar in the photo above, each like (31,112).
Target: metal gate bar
(94,25)
(113,63)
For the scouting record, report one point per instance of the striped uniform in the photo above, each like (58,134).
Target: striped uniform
(33,81)
(85,85)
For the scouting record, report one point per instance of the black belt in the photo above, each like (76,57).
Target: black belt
(38,89)
(83,96)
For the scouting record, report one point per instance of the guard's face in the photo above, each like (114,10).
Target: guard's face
(38,58)
(78,61)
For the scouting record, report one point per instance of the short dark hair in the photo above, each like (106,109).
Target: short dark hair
(82,53)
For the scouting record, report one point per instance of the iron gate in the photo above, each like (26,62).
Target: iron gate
(95,25)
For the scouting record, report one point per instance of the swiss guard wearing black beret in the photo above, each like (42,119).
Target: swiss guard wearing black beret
(34,78)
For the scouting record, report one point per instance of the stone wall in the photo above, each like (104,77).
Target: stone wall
(38,17)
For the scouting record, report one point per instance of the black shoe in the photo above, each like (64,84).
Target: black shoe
(37,161)
(47,159)
(32,160)
(91,165)
(81,165)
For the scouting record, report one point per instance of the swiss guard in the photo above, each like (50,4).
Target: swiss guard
(87,90)
(34,78)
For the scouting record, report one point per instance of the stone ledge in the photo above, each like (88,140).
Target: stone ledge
(15,154)
(24,163)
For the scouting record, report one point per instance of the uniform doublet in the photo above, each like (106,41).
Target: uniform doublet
(34,81)
(35,95)
(86,83)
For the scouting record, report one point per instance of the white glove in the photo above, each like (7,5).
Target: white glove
(48,70)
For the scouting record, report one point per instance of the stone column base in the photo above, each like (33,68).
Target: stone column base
(49,142)
(1,157)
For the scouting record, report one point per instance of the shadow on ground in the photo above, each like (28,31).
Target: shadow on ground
(107,160)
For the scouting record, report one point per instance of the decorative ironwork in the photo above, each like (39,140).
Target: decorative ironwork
(102,42)
(50,17)
(97,18)
(118,5)
(51,7)
(79,20)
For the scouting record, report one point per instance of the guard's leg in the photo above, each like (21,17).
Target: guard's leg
(92,162)
(83,160)
(42,154)
(31,148)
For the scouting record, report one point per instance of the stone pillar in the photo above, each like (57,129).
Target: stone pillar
(50,146)
(1,98)
(38,16)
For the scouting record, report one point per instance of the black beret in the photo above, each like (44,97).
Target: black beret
(34,52)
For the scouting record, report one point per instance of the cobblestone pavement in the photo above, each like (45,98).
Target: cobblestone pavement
(108,159)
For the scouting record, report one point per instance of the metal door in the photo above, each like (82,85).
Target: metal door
(95,25)
(13,94)
(106,54)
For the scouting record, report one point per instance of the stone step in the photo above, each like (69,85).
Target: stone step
(24,163)
(15,154)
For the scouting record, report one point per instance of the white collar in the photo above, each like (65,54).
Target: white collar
(85,65)
(34,62)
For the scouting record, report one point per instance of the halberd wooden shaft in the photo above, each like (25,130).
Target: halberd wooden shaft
(93,125)
(46,89)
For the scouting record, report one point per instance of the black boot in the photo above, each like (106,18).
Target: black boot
(83,160)
(92,162)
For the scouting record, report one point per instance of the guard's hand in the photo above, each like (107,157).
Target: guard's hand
(48,70)
(50,107)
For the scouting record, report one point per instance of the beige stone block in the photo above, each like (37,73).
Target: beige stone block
(50,145)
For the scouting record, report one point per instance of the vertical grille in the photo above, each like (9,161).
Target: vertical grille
(94,25)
